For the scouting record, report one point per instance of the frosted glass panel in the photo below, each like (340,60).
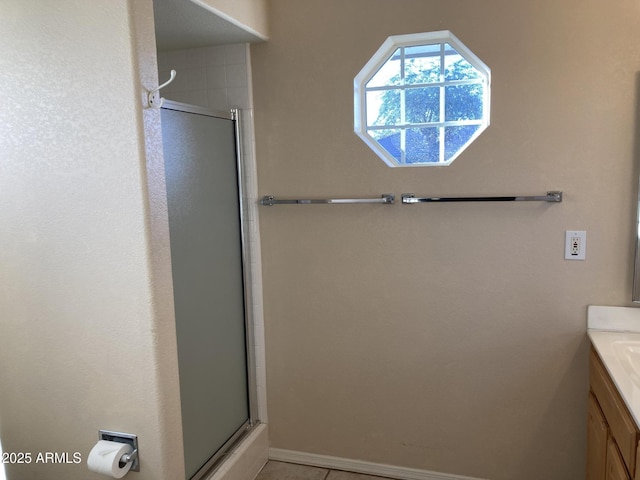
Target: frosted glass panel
(206,256)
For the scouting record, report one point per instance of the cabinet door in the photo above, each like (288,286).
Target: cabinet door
(621,425)
(615,466)
(596,441)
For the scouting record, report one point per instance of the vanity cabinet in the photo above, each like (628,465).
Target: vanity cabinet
(612,434)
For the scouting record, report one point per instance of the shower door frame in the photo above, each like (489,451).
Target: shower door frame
(235,116)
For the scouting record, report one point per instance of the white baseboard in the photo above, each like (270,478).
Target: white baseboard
(359,466)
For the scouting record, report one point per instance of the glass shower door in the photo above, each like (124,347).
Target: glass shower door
(207,268)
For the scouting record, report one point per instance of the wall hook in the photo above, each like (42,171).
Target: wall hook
(157,102)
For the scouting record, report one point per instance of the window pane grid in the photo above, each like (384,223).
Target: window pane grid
(442,91)
(444,50)
(403,108)
(400,86)
(446,83)
(425,103)
(450,123)
(446,141)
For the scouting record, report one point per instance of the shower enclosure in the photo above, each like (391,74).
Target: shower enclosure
(203,176)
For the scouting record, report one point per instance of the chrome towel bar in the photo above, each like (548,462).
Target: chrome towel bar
(270,200)
(553,196)
(410,198)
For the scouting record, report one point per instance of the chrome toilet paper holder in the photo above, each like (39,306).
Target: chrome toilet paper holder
(124,438)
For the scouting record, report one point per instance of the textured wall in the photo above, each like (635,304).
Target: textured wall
(445,337)
(88,338)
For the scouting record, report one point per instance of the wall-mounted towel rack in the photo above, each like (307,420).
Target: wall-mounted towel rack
(553,196)
(409,198)
(270,200)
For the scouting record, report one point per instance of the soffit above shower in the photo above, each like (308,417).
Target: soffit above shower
(183,24)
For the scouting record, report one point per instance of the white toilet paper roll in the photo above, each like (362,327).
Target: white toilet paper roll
(105,457)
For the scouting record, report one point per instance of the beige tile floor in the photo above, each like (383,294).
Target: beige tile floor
(290,471)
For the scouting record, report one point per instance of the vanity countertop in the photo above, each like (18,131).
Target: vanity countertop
(615,335)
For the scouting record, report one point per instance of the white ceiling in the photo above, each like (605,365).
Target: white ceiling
(183,24)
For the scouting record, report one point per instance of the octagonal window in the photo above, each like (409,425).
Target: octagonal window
(422,99)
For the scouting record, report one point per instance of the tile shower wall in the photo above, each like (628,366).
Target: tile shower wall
(219,78)
(216,77)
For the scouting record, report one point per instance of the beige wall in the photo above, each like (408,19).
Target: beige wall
(249,14)
(445,337)
(88,338)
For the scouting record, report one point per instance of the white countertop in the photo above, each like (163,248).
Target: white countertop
(615,334)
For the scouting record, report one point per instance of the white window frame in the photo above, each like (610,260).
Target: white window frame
(383,54)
